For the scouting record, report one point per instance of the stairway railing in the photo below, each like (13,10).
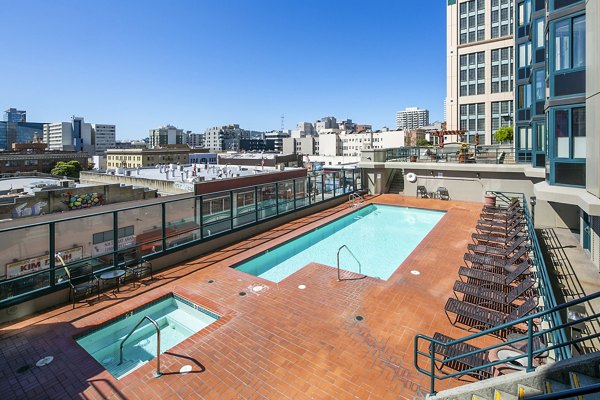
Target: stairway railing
(555,331)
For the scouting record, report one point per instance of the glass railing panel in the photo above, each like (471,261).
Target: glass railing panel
(145,225)
(216,213)
(267,201)
(181,222)
(286,196)
(244,211)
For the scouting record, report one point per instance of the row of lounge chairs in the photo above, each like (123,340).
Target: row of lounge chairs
(495,286)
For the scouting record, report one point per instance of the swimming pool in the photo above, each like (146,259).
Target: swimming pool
(380,237)
(176,317)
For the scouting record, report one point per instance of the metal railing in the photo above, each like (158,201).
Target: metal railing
(98,239)
(481,154)
(158,373)
(338,261)
(554,334)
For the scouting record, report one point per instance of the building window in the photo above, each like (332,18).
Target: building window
(471,21)
(540,85)
(525,55)
(524,13)
(502,67)
(501,115)
(501,18)
(472,119)
(539,33)
(472,74)
(569,43)
(569,132)
(524,96)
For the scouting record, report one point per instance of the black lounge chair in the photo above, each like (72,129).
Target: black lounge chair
(422,192)
(500,238)
(514,203)
(499,230)
(500,222)
(493,299)
(497,261)
(494,281)
(462,363)
(481,318)
(499,250)
(517,212)
(442,193)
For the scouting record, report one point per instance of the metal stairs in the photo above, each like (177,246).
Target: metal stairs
(397,184)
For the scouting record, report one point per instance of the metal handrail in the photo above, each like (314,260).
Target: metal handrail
(158,373)
(338,261)
(551,314)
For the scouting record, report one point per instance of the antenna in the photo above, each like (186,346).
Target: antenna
(282,122)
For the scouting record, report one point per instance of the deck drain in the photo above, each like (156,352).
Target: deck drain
(301,287)
(359,318)
(258,288)
(185,369)
(22,369)
(211,281)
(242,293)
(415,272)
(44,361)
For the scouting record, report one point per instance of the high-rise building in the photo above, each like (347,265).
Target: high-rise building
(14,115)
(104,137)
(480,43)
(412,118)
(70,136)
(167,134)
(223,138)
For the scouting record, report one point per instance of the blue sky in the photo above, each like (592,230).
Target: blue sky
(196,64)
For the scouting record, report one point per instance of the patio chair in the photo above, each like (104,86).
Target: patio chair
(499,250)
(135,266)
(516,212)
(498,261)
(500,222)
(82,285)
(481,318)
(499,230)
(500,282)
(422,192)
(490,298)
(462,363)
(442,193)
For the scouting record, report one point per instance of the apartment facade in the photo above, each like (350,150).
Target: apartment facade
(104,137)
(70,136)
(167,134)
(480,65)
(412,118)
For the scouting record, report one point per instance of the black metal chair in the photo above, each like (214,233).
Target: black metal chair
(442,193)
(82,284)
(135,266)
(422,192)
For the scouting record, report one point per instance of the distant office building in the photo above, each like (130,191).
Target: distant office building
(412,118)
(274,140)
(223,138)
(326,123)
(134,158)
(195,139)
(32,157)
(103,137)
(164,135)
(14,115)
(308,145)
(304,129)
(70,136)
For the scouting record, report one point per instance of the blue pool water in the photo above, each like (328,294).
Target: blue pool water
(177,318)
(380,237)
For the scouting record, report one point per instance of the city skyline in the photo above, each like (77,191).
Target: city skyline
(201,65)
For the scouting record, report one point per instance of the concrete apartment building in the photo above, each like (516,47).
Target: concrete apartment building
(104,137)
(167,134)
(412,118)
(139,158)
(223,138)
(480,54)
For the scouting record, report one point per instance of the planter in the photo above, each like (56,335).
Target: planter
(413,158)
(489,200)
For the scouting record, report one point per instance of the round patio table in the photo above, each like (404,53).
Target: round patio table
(116,274)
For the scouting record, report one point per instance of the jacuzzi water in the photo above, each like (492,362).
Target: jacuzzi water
(379,236)
(177,318)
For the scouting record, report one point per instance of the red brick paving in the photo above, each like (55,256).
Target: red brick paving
(283,343)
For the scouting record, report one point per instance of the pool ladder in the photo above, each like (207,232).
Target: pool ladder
(158,373)
(355,199)
(338,261)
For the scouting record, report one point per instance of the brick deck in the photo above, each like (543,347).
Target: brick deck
(283,343)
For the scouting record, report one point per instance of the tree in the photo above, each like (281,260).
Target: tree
(68,168)
(505,133)
(423,142)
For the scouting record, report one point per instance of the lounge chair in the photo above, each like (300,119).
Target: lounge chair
(499,230)
(463,363)
(514,204)
(499,250)
(500,239)
(442,193)
(498,261)
(493,299)
(481,318)
(500,222)
(494,281)
(517,212)
(422,192)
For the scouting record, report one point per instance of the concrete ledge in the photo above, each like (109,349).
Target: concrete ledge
(568,195)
